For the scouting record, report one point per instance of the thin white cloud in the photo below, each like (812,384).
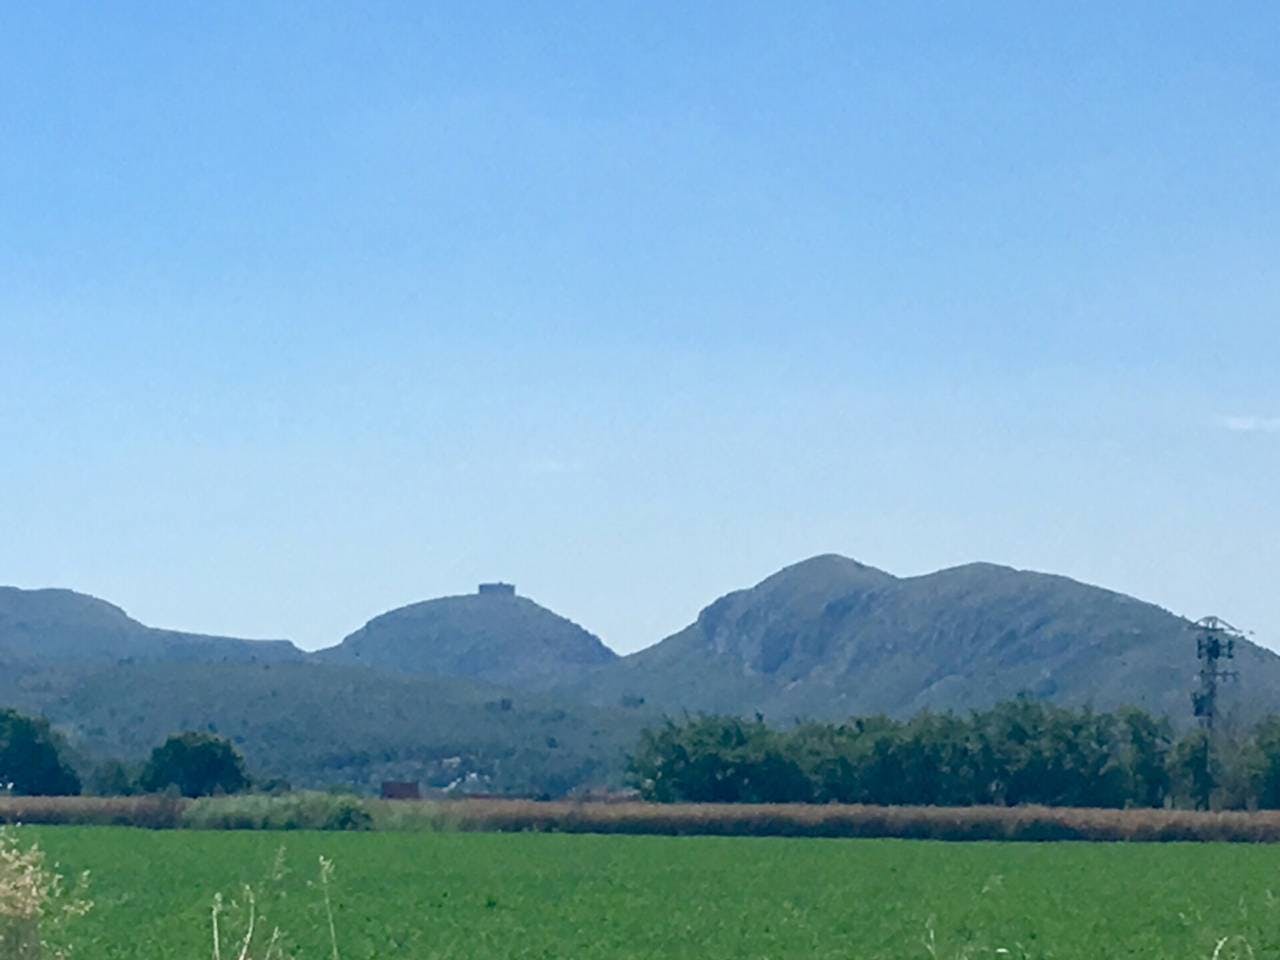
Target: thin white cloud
(1252,424)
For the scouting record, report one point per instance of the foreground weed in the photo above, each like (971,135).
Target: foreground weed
(935,952)
(35,904)
(241,929)
(326,876)
(1233,948)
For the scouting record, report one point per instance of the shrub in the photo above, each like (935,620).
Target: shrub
(299,811)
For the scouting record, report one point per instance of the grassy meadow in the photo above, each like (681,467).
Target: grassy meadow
(491,896)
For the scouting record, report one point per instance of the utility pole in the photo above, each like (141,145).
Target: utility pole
(1215,642)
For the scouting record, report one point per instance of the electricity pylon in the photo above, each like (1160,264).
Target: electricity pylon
(1215,642)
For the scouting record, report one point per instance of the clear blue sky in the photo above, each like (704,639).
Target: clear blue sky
(310,310)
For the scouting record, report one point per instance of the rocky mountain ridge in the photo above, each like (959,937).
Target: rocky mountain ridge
(495,681)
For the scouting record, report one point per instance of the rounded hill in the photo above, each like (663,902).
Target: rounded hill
(492,636)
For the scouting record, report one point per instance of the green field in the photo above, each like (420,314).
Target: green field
(556,896)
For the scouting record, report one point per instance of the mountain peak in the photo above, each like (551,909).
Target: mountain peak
(828,566)
(63,625)
(830,637)
(492,635)
(58,605)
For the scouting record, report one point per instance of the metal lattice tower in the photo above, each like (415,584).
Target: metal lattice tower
(1215,642)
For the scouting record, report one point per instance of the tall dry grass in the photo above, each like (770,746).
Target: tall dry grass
(806,820)
(321,812)
(154,812)
(35,904)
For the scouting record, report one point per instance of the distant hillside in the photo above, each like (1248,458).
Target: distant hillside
(51,638)
(419,711)
(493,637)
(69,627)
(829,638)
(319,725)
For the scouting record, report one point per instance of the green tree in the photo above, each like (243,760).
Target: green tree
(1021,751)
(1194,770)
(1146,757)
(857,762)
(31,761)
(940,765)
(833,758)
(1264,763)
(717,760)
(111,778)
(197,764)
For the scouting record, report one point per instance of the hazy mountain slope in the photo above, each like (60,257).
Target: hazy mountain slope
(49,639)
(506,640)
(63,626)
(724,661)
(117,688)
(319,725)
(829,638)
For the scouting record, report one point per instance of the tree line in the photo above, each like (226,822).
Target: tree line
(34,762)
(1022,751)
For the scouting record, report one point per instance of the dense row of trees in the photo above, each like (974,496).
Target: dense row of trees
(33,762)
(1022,751)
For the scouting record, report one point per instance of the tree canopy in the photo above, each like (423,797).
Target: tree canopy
(31,760)
(1018,752)
(197,765)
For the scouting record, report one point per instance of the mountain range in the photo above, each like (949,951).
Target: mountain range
(492,692)
(830,637)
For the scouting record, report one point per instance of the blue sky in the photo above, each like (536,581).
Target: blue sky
(310,310)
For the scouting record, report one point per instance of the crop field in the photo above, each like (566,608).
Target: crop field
(491,896)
